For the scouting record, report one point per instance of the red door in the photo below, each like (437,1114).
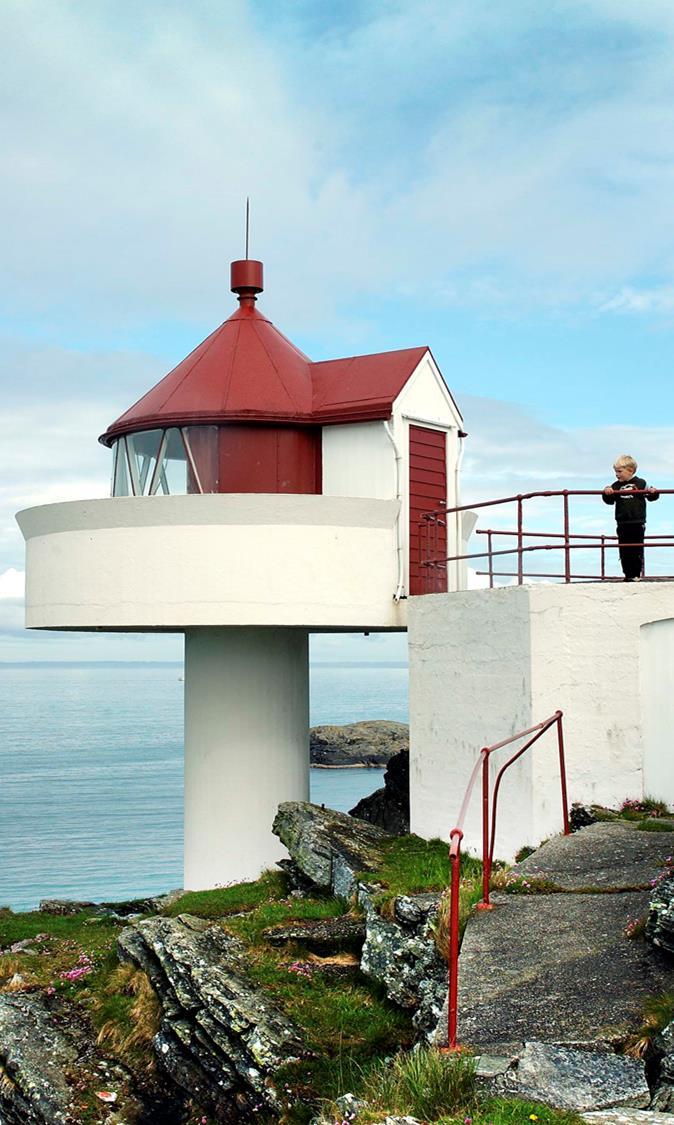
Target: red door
(428,491)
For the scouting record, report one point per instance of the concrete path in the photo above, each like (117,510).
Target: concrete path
(557,967)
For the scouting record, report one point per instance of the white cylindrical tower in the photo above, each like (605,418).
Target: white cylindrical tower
(246,747)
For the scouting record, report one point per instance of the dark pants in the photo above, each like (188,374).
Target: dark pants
(631,558)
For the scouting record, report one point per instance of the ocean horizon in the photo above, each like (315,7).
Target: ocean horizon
(92,770)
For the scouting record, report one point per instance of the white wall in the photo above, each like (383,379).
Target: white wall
(657,706)
(246,748)
(358,460)
(484,663)
(175,562)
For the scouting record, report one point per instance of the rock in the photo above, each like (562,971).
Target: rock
(660,924)
(64,906)
(662,1064)
(570,1079)
(400,954)
(371,743)
(220,1037)
(325,935)
(329,848)
(47,1057)
(581,816)
(349,1105)
(35,1057)
(389,808)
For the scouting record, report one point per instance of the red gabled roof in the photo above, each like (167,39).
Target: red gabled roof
(361,386)
(249,371)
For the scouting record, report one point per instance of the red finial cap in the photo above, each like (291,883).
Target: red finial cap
(246,278)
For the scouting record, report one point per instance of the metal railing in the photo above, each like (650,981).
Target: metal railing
(488,840)
(433,565)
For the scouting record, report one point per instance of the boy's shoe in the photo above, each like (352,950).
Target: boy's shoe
(629,579)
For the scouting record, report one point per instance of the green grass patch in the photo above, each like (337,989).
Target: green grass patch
(513,1111)
(249,926)
(424,1084)
(412,865)
(655,825)
(230,900)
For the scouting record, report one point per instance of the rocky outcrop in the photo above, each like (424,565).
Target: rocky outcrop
(660,924)
(47,1056)
(400,954)
(220,1037)
(329,848)
(389,808)
(371,743)
(662,1063)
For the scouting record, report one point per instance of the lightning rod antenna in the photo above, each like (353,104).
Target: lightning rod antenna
(247,222)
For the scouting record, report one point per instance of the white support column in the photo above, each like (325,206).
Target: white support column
(246,747)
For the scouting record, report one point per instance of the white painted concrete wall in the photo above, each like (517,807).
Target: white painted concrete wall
(246,748)
(485,663)
(175,562)
(657,708)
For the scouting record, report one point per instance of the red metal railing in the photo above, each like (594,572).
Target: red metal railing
(488,840)
(433,566)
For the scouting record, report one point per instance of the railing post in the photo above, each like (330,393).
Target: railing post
(602,556)
(567,552)
(562,771)
(520,561)
(486,864)
(491,562)
(454,909)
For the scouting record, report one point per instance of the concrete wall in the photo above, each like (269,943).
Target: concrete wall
(657,708)
(246,747)
(485,663)
(174,562)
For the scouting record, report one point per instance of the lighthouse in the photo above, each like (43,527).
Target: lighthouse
(257,497)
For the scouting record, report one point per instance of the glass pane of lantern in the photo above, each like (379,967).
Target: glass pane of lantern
(202,447)
(121,484)
(143,450)
(171,476)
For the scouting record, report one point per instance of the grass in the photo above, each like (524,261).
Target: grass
(658,1011)
(230,900)
(655,826)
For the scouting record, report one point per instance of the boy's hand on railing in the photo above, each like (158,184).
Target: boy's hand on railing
(608,490)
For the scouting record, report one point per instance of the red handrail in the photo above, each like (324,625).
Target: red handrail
(488,840)
(434,566)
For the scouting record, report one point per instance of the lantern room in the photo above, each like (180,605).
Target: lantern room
(248,412)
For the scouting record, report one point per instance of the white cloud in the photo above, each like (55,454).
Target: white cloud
(631,300)
(12,583)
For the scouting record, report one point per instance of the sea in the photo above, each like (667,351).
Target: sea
(91,772)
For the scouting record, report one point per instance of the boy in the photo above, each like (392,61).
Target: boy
(630,514)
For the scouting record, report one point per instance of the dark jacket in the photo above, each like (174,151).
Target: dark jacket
(629,508)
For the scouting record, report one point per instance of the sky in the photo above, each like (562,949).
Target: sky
(492,179)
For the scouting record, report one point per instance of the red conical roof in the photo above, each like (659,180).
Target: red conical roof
(248,371)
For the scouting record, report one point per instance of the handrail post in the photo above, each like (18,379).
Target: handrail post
(562,771)
(602,556)
(491,561)
(453,966)
(567,552)
(486,865)
(520,560)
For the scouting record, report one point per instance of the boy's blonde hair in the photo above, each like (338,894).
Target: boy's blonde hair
(625,462)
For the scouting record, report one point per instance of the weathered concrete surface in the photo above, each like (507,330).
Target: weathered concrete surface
(575,1080)
(555,967)
(627,1117)
(613,855)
